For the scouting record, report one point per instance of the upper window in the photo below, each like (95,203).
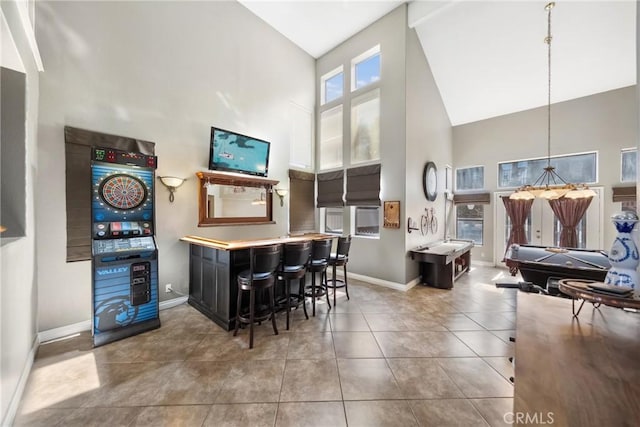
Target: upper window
(580,168)
(365,127)
(365,68)
(470,178)
(628,165)
(331,138)
(331,85)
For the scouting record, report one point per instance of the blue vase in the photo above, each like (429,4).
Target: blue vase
(624,256)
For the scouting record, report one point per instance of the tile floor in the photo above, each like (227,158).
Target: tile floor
(425,357)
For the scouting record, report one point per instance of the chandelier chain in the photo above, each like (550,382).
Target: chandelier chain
(548,41)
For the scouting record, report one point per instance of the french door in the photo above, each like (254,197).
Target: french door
(543,228)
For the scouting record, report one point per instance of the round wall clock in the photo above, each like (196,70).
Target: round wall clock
(430,181)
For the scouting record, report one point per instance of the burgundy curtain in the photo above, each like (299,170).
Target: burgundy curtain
(518,211)
(569,213)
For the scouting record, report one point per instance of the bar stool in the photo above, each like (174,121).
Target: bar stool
(264,261)
(294,267)
(320,252)
(340,258)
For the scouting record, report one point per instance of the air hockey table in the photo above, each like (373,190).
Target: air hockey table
(538,263)
(442,262)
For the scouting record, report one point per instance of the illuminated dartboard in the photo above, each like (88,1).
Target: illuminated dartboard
(124,192)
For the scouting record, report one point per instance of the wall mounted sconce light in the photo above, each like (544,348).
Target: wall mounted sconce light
(172,183)
(281,192)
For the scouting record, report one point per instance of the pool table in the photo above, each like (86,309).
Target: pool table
(537,263)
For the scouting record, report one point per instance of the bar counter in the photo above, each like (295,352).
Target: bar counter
(213,267)
(582,371)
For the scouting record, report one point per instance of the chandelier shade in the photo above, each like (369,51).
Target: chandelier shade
(550,185)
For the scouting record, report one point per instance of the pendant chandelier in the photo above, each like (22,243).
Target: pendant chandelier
(550,185)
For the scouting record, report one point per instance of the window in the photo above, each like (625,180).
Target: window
(628,165)
(470,222)
(331,138)
(573,168)
(333,221)
(331,85)
(365,127)
(365,68)
(471,178)
(367,221)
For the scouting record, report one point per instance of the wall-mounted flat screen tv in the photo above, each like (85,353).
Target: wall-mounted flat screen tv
(233,152)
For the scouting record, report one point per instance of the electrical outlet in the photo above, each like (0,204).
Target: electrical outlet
(168,288)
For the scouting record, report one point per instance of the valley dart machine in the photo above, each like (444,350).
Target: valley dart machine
(125,256)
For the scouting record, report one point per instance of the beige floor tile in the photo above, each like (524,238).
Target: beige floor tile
(505,335)
(348,322)
(459,322)
(380,413)
(355,345)
(475,378)
(484,343)
(42,418)
(421,344)
(171,416)
(252,382)
(243,414)
(385,322)
(115,417)
(447,412)
(497,412)
(423,379)
(310,381)
(502,365)
(367,379)
(494,321)
(311,414)
(311,346)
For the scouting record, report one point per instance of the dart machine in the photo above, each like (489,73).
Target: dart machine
(125,256)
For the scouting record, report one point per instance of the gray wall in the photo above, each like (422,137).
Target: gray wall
(414,129)
(605,122)
(428,139)
(164,72)
(18,290)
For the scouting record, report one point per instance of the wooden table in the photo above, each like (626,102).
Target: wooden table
(578,290)
(580,371)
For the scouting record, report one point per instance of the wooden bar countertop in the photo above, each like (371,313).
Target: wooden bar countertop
(582,371)
(230,245)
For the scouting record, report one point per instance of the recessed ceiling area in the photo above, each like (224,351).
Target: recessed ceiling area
(488,58)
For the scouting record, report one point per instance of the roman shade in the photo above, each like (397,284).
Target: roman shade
(624,194)
(302,209)
(472,198)
(78,143)
(363,186)
(330,189)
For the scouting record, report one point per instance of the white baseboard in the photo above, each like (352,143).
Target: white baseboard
(173,302)
(380,282)
(76,328)
(64,331)
(22,383)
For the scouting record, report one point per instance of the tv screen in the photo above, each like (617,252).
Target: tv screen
(233,152)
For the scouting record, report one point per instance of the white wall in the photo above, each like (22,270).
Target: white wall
(605,122)
(18,291)
(164,72)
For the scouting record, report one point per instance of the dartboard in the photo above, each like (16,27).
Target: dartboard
(123,192)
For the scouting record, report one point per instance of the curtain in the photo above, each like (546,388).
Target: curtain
(330,189)
(518,211)
(363,186)
(302,217)
(569,213)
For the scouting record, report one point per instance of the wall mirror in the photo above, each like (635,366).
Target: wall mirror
(234,200)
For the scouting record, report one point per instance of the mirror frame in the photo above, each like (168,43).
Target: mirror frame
(232,179)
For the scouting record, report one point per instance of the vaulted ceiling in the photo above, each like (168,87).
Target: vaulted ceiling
(488,57)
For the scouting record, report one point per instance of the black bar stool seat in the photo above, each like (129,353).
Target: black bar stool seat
(320,252)
(339,259)
(264,261)
(294,267)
